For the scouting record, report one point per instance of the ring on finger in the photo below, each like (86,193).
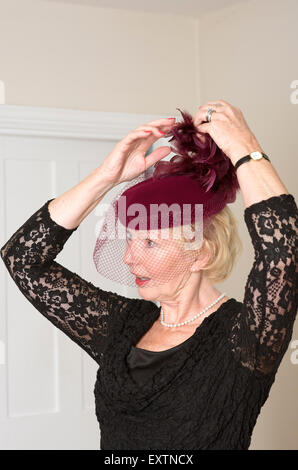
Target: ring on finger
(209,114)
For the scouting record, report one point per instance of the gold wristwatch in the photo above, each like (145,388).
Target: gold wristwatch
(252,156)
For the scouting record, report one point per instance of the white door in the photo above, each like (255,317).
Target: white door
(46,380)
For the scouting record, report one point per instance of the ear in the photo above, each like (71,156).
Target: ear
(201,261)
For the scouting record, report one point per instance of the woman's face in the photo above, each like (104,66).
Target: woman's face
(159,256)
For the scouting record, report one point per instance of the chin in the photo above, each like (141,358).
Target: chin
(147,293)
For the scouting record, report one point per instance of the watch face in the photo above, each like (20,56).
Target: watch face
(256,155)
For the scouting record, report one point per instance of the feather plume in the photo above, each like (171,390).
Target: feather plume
(204,161)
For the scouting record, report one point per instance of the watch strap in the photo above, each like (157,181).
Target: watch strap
(247,158)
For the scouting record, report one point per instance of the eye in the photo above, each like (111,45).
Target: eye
(150,244)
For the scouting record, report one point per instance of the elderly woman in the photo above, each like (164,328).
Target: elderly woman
(193,372)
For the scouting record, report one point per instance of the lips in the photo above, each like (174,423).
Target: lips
(139,282)
(140,276)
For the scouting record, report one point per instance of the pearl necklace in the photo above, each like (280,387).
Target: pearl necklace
(196,316)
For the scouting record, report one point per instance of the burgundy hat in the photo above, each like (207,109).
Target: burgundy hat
(199,174)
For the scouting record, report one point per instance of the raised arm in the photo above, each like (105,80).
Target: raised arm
(262,332)
(263,328)
(78,308)
(75,306)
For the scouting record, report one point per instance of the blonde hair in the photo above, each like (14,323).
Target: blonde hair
(222,242)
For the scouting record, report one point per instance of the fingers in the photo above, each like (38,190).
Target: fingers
(219,102)
(141,134)
(159,127)
(161,122)
(201,136)
(204,127)
(154,130)
(157,155)
(221,108)
(149,133)
(201,115)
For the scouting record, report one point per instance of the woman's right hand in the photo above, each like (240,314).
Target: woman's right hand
(127,160)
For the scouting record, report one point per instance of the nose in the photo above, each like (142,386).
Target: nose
(133,253)
(127,256)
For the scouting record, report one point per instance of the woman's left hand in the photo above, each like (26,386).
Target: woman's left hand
(228,129)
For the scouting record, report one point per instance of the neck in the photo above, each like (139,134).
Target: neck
(198,294)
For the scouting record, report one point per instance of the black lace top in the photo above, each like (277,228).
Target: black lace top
(209,395)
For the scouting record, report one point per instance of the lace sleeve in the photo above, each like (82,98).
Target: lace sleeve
(262,331)
(74,305)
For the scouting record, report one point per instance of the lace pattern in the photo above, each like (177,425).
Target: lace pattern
(261,331)
(230,363)
(263,328)
(75,306)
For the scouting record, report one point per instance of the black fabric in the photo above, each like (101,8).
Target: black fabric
(210,394)
(143,364)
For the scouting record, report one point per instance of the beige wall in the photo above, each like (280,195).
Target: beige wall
(79,57)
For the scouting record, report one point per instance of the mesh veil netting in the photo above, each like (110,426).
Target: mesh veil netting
(160,255)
